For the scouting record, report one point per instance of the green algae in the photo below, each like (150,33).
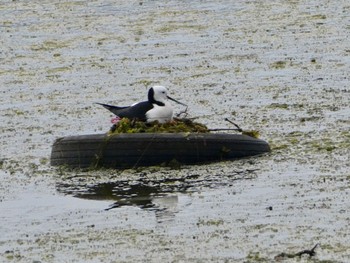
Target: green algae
(252,133)
(278,65)
(176,126)
(210,222)
(49,45)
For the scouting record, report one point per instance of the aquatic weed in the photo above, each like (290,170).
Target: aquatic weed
(176,126)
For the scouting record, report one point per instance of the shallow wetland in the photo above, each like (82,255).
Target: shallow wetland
(279,67)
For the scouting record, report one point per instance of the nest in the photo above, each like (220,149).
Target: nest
(176,126)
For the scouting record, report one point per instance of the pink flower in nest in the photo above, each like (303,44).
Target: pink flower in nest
(115,120)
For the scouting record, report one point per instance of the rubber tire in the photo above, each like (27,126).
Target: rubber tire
(148,149)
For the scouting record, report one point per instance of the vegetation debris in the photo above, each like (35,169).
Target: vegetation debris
(177,125)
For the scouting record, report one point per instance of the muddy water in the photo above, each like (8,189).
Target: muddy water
(281,68)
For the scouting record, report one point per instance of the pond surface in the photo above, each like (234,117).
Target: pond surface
(281,68)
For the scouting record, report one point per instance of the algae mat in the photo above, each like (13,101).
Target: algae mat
(280,68)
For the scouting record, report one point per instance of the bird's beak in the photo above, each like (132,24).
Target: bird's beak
(170,98)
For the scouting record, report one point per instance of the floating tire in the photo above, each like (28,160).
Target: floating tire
(148,149)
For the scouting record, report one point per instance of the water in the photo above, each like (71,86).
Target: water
(280,68)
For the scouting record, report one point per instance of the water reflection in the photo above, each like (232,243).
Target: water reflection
(158,195)
(124,194)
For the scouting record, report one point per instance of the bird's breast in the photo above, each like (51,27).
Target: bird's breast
(160,113)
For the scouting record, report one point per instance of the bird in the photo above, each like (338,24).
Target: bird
(156,108)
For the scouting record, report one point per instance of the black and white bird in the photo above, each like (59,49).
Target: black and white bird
(157,108)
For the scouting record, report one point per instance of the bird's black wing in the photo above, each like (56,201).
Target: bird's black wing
(137,111)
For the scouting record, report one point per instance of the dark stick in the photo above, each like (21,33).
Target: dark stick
(225,129)
(182,112)
(311,252)
(238,128)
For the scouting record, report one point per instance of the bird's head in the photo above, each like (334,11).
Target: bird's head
(158,95)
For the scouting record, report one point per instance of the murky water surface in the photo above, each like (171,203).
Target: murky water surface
(281,68)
